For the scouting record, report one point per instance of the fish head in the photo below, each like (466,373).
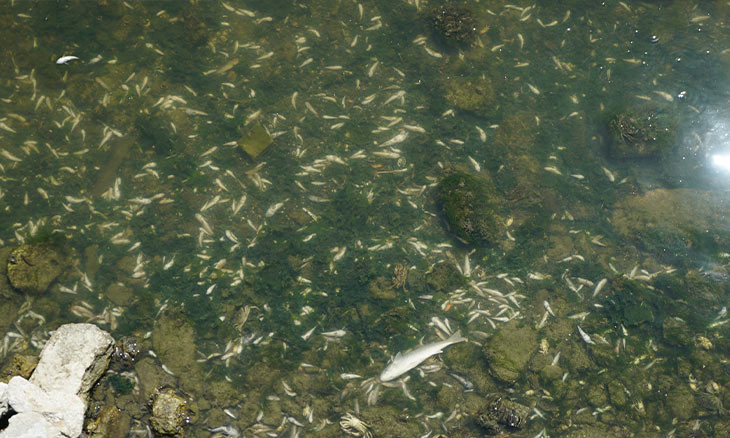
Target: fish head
(391,371)
(388,373)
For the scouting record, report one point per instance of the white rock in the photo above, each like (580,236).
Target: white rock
(64,410)
(73,359)
(3,398)
(30,425)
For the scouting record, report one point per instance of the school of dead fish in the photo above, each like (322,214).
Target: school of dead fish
(489,300)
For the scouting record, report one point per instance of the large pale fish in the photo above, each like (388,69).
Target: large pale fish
(402,363)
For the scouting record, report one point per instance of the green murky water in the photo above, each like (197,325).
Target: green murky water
(275,289)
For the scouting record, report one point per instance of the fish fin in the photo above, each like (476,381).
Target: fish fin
(397,355)
(456,337)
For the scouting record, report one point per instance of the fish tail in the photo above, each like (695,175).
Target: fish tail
(456,337)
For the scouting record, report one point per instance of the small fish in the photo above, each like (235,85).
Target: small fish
(65,59)
(398,138)
(599,286)
(334,334)
(402,363)
(585,336)
(227,430)
(466,383)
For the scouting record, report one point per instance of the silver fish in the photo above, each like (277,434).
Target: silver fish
(402,363)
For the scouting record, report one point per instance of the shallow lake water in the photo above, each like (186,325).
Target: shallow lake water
(275,198)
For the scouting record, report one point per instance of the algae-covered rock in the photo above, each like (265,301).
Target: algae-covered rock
(681,402)
(173,338)
(151,377)
(169,413)
(382,289)
(126,350)
(550,373)
(119,294)
(497,410)
(617,393)
(642,133)
(509,351)
(444,277)
(676,332)
(469,208)
(6,291)
(388,422)
(20,365)
(674,221)
(255,140)
(109,423)
(574,357)
(454,23)
(470,94)
(33,267)
(598,430)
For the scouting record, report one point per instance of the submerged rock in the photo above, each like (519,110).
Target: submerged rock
(444,277)
(470,94)
(255,140)
(681,402)
(109,423)
(169,413)
(33,267)
(20,365)
(454,23)
(509,351)
(673,222)
(676,332)
(498,412)
(173,339)
(642,133)
(468,205)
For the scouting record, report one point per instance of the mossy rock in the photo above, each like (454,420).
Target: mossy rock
(109,423)
(387,422)
(20,365)
(509,351)
(173,338)
(444,277)
(644,132)
(470,94)
(33,267)
(169,413)
(468,205)
(681,402)
(453,23)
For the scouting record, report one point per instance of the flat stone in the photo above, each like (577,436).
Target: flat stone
(30,425)
(64,410)
(73,359)
(255,140)
(684,213)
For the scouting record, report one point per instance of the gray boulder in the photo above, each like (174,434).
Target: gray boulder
(73,359)
(30,425)
(63,410)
